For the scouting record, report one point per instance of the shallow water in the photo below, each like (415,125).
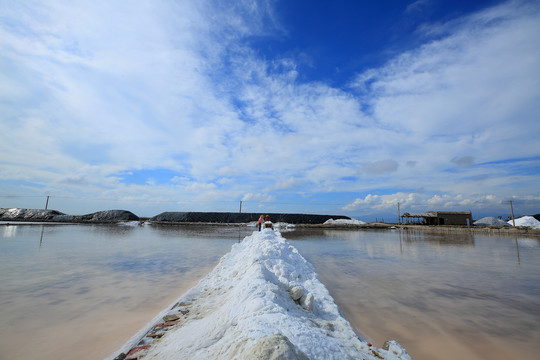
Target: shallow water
(441,296)
(81,291)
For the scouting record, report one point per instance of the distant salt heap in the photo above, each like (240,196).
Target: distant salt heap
(343,222)
(491,221)
(33,215)
(528,221)
(262,301)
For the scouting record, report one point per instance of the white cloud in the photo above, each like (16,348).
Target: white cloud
(286,183)
(200,187)
(463,160)
(419,202)
(380,167)
(418,6)
(461,84)
(258,197)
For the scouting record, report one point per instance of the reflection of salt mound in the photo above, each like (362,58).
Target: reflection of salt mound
(262,301)
(490,221)
(527,221)
(284,227)
(343,222)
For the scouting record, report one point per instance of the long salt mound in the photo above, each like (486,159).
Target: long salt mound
(528,221)
(262,301)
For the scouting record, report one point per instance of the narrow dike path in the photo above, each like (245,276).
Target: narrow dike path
(262,301)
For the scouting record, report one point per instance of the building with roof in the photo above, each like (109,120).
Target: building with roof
(438,218)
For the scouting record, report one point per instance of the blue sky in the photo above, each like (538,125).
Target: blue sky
(340,107)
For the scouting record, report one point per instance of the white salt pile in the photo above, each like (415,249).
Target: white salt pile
(491,221)
(262,301)
(343,222)
(528,221)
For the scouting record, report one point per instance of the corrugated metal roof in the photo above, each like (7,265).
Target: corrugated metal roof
(428,214)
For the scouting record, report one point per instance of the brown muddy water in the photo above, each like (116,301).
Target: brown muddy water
(81,291)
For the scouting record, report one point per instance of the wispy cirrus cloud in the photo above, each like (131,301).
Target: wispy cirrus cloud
(463,160)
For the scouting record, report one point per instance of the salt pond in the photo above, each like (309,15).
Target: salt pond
(80,291)
(441,296)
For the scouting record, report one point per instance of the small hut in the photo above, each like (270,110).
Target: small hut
(438,218)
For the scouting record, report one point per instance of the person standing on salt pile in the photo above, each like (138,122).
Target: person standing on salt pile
(261,219)
(268,223)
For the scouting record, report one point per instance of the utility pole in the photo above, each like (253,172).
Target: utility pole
(512,210)
(240,206)
(47,203)
(398,214)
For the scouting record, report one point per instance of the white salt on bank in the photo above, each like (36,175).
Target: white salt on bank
(490,221)
(246,309)
(527,221)
(344,222)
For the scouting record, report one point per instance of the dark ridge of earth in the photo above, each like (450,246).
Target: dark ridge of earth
(17,214)
(236,218)
(33,215)
(55,215)
(109,215)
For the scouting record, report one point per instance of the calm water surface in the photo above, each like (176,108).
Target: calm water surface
(80,292)
(77,291)
(442,296)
